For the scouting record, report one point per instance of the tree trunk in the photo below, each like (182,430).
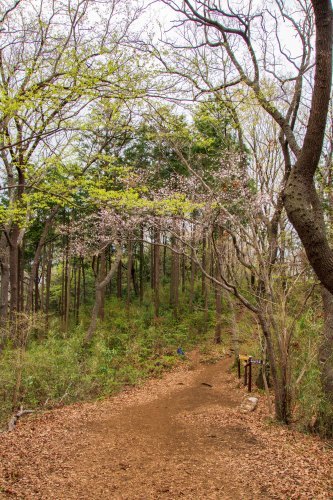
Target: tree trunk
(74,286)
(42,290)
(14,270)
(119,280)
(102,274)
(133,276)
(78,294)
(174,279)
(20,297)
(192,280)
(36,283)
(280,376)
(301,200)
(152,263)
(157,272)
(193,272)
(218,309)
(35,264)
(129,270)
(204,290)
(4,260)
(283,398)
(63,280)
(48,283)
(108,262)
(183,263)
(234,329)
(218,289)
(100,286)
(141,264)
(164,256)
(203,264)
(67,290)
(84,281)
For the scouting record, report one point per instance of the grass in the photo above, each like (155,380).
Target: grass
(128,347)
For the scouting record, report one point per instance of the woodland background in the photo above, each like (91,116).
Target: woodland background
(148,179)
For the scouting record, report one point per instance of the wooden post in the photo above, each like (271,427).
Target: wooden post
(250,374)
(239,367)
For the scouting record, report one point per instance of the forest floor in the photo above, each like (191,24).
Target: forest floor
(182,436)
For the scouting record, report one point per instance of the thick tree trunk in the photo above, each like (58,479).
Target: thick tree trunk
(283,399)
(280,376)
(301,200)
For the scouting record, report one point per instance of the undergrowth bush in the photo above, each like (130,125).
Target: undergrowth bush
(305,345)
(127,347)
(131,345)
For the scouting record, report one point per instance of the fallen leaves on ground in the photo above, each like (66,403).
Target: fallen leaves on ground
(180,436)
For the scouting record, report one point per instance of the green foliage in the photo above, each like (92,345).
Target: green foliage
(215,129)
(129,346)
(313,411)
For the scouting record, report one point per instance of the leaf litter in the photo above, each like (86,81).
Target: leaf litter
(169,438)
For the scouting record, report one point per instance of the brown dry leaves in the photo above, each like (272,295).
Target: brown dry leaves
(182,429)
(268,460)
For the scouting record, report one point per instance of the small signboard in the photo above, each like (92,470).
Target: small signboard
(243,357)
(256,361)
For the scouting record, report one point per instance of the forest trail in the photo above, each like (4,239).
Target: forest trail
(182,436)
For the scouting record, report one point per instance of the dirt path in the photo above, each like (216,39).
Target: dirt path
(151,451)
(179,437)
